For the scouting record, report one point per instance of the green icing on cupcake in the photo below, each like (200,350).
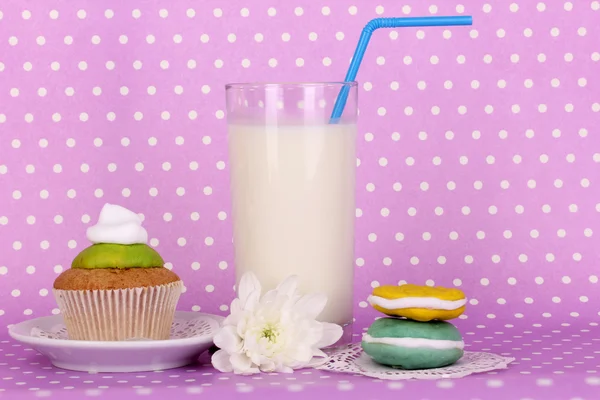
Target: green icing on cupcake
(109,255)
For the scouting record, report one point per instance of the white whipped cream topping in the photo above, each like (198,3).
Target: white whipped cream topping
(431,303)
(118,225)
(416,342)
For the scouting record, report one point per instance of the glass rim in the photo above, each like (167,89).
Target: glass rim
(246,85)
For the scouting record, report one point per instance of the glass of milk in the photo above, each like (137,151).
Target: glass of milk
(292,184)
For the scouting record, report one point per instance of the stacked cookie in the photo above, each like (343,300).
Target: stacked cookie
(422,339)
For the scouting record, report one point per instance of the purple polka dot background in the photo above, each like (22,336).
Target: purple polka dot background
(478,168)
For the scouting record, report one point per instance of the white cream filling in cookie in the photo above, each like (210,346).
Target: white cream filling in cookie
(431,303)
(416,342)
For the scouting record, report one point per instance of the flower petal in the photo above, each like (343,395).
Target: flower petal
(228,339)
(251,301)
(316,362)
(241,363)
(300,353)
(311,305)
(285,369)
(236,306)
(220,360)
(269,297)
(331,334)
(309,332)
(236,313)
(319,353)
(256,357)
(288,286)
(267,365)
(248,283)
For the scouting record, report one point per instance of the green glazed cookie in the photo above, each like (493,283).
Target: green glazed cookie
(411,344)
(110,255)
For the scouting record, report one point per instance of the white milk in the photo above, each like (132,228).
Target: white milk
(294,210)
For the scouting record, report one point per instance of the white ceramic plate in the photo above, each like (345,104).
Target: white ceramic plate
(192,334)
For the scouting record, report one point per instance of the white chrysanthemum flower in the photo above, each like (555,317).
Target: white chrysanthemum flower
(277,332)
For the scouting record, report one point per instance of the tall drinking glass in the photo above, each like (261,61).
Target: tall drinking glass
(292,184)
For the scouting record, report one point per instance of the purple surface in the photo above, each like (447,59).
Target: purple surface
(552,362)
(479,163)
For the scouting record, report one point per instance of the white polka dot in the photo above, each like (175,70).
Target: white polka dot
(372,237)
(109,13)
(534,233)
(53,14)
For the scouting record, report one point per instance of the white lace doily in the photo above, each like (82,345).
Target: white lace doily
(182,328)
(353,360)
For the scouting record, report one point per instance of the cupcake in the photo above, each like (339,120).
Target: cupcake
(118,288)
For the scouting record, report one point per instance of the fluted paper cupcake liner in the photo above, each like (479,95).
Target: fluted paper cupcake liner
(122,314)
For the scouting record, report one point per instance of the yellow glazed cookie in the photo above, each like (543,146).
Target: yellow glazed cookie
(420,303)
